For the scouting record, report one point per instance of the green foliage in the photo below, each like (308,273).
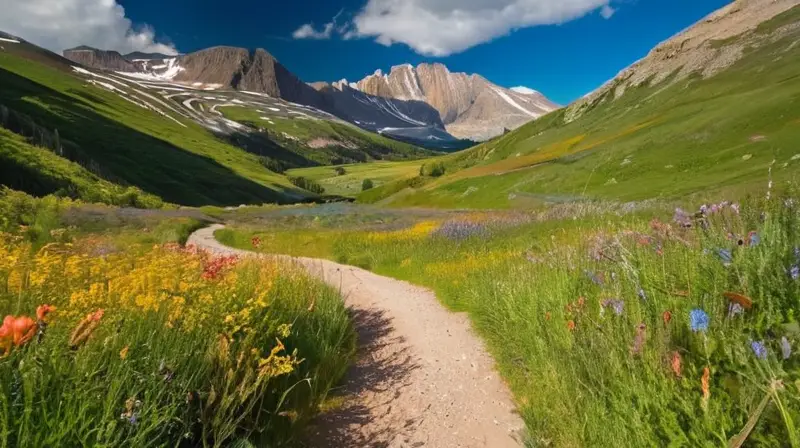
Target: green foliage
(340,171)
(367,185)
(307,184)
(435,169)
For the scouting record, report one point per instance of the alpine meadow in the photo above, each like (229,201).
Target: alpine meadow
(202,249)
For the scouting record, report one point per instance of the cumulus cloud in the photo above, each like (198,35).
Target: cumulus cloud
(444,27)
(307,31)
(61,24)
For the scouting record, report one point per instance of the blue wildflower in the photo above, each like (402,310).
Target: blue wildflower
(682,218)
(755,240)
(794,272)
(698,320)
(759,349)
(641,294)
(725,255)
(786,348)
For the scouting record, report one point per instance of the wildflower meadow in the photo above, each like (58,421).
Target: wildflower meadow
(614,326)
(109,342)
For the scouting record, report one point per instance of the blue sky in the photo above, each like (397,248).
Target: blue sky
(563,48)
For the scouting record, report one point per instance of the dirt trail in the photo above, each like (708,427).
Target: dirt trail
(422,377)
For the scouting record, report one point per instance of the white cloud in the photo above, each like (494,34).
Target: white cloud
(607,11)
(444,27)
(60,24)
(307,30)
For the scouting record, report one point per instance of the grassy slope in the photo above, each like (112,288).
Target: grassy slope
(357,145)
(349,184)
(39,171)
(665,140)
(186,165)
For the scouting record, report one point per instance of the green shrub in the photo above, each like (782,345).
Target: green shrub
(367,185)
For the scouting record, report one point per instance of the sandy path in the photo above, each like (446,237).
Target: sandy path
(422,377)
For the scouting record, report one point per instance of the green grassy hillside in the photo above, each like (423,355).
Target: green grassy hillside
(176,160)
(37,170)
(349,181)
(717,136)
(322,142)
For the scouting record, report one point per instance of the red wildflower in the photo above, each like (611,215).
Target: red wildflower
(571,325)
(256,241)
(667,316)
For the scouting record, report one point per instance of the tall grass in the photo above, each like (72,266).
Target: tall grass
(598,324)
(161,345)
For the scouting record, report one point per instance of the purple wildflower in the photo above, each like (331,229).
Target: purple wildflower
(794,272)
(698,320)
(597,279)
(786,348)
(734,309)
(682,218)
(703,209)
(714,208)
(735,208)
(616,304)
(460,230)
(759,349)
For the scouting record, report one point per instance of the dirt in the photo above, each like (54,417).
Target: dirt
(422,376)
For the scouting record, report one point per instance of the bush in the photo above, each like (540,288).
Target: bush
(340,171)
(432,170)
(367,185)
(307,184)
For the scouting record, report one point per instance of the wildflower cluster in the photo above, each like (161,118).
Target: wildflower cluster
(193,332)
(460,230)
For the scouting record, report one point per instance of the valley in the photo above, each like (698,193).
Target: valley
(204,249)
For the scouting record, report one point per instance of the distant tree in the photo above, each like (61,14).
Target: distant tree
(422,170)
(367,185)
(340,171)
(307,184)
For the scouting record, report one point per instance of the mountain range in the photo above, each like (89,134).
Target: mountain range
(427,105)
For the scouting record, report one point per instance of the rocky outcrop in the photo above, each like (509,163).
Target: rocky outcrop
(100,59)
(706,48)
(469,105)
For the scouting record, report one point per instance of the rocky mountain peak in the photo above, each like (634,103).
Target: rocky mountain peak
(469,105)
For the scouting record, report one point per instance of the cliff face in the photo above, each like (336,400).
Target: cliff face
(102,59)
(469,105)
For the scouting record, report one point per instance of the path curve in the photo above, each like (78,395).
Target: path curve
(421,378)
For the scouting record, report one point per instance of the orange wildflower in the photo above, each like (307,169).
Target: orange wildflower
(742,300)
(667,316)
(16,331)
(676,363)
(123,353)
(705,384)
(85,328)
(547,315)
(571,325)
(43,310)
